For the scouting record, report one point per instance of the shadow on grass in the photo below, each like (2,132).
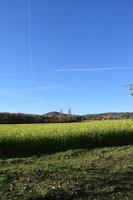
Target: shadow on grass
(34,146)
(95,188)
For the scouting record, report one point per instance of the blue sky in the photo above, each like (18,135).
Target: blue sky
(66,36)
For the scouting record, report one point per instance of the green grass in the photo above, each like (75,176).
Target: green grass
(97,174)
(18,140)
(83,173)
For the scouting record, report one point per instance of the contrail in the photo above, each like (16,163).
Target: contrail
(93,69)
(29,32)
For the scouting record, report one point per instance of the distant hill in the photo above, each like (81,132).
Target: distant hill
(53,113)
(109,115)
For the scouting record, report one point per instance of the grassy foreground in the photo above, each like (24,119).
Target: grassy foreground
(75,174)
(18,140)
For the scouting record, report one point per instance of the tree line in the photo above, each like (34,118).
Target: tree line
(20,118)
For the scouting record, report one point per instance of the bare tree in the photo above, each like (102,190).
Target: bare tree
(69,111)
(61,111)
(130,88)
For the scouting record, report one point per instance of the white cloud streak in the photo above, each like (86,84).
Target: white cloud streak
(93,69)
(42,87)
(29,34)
